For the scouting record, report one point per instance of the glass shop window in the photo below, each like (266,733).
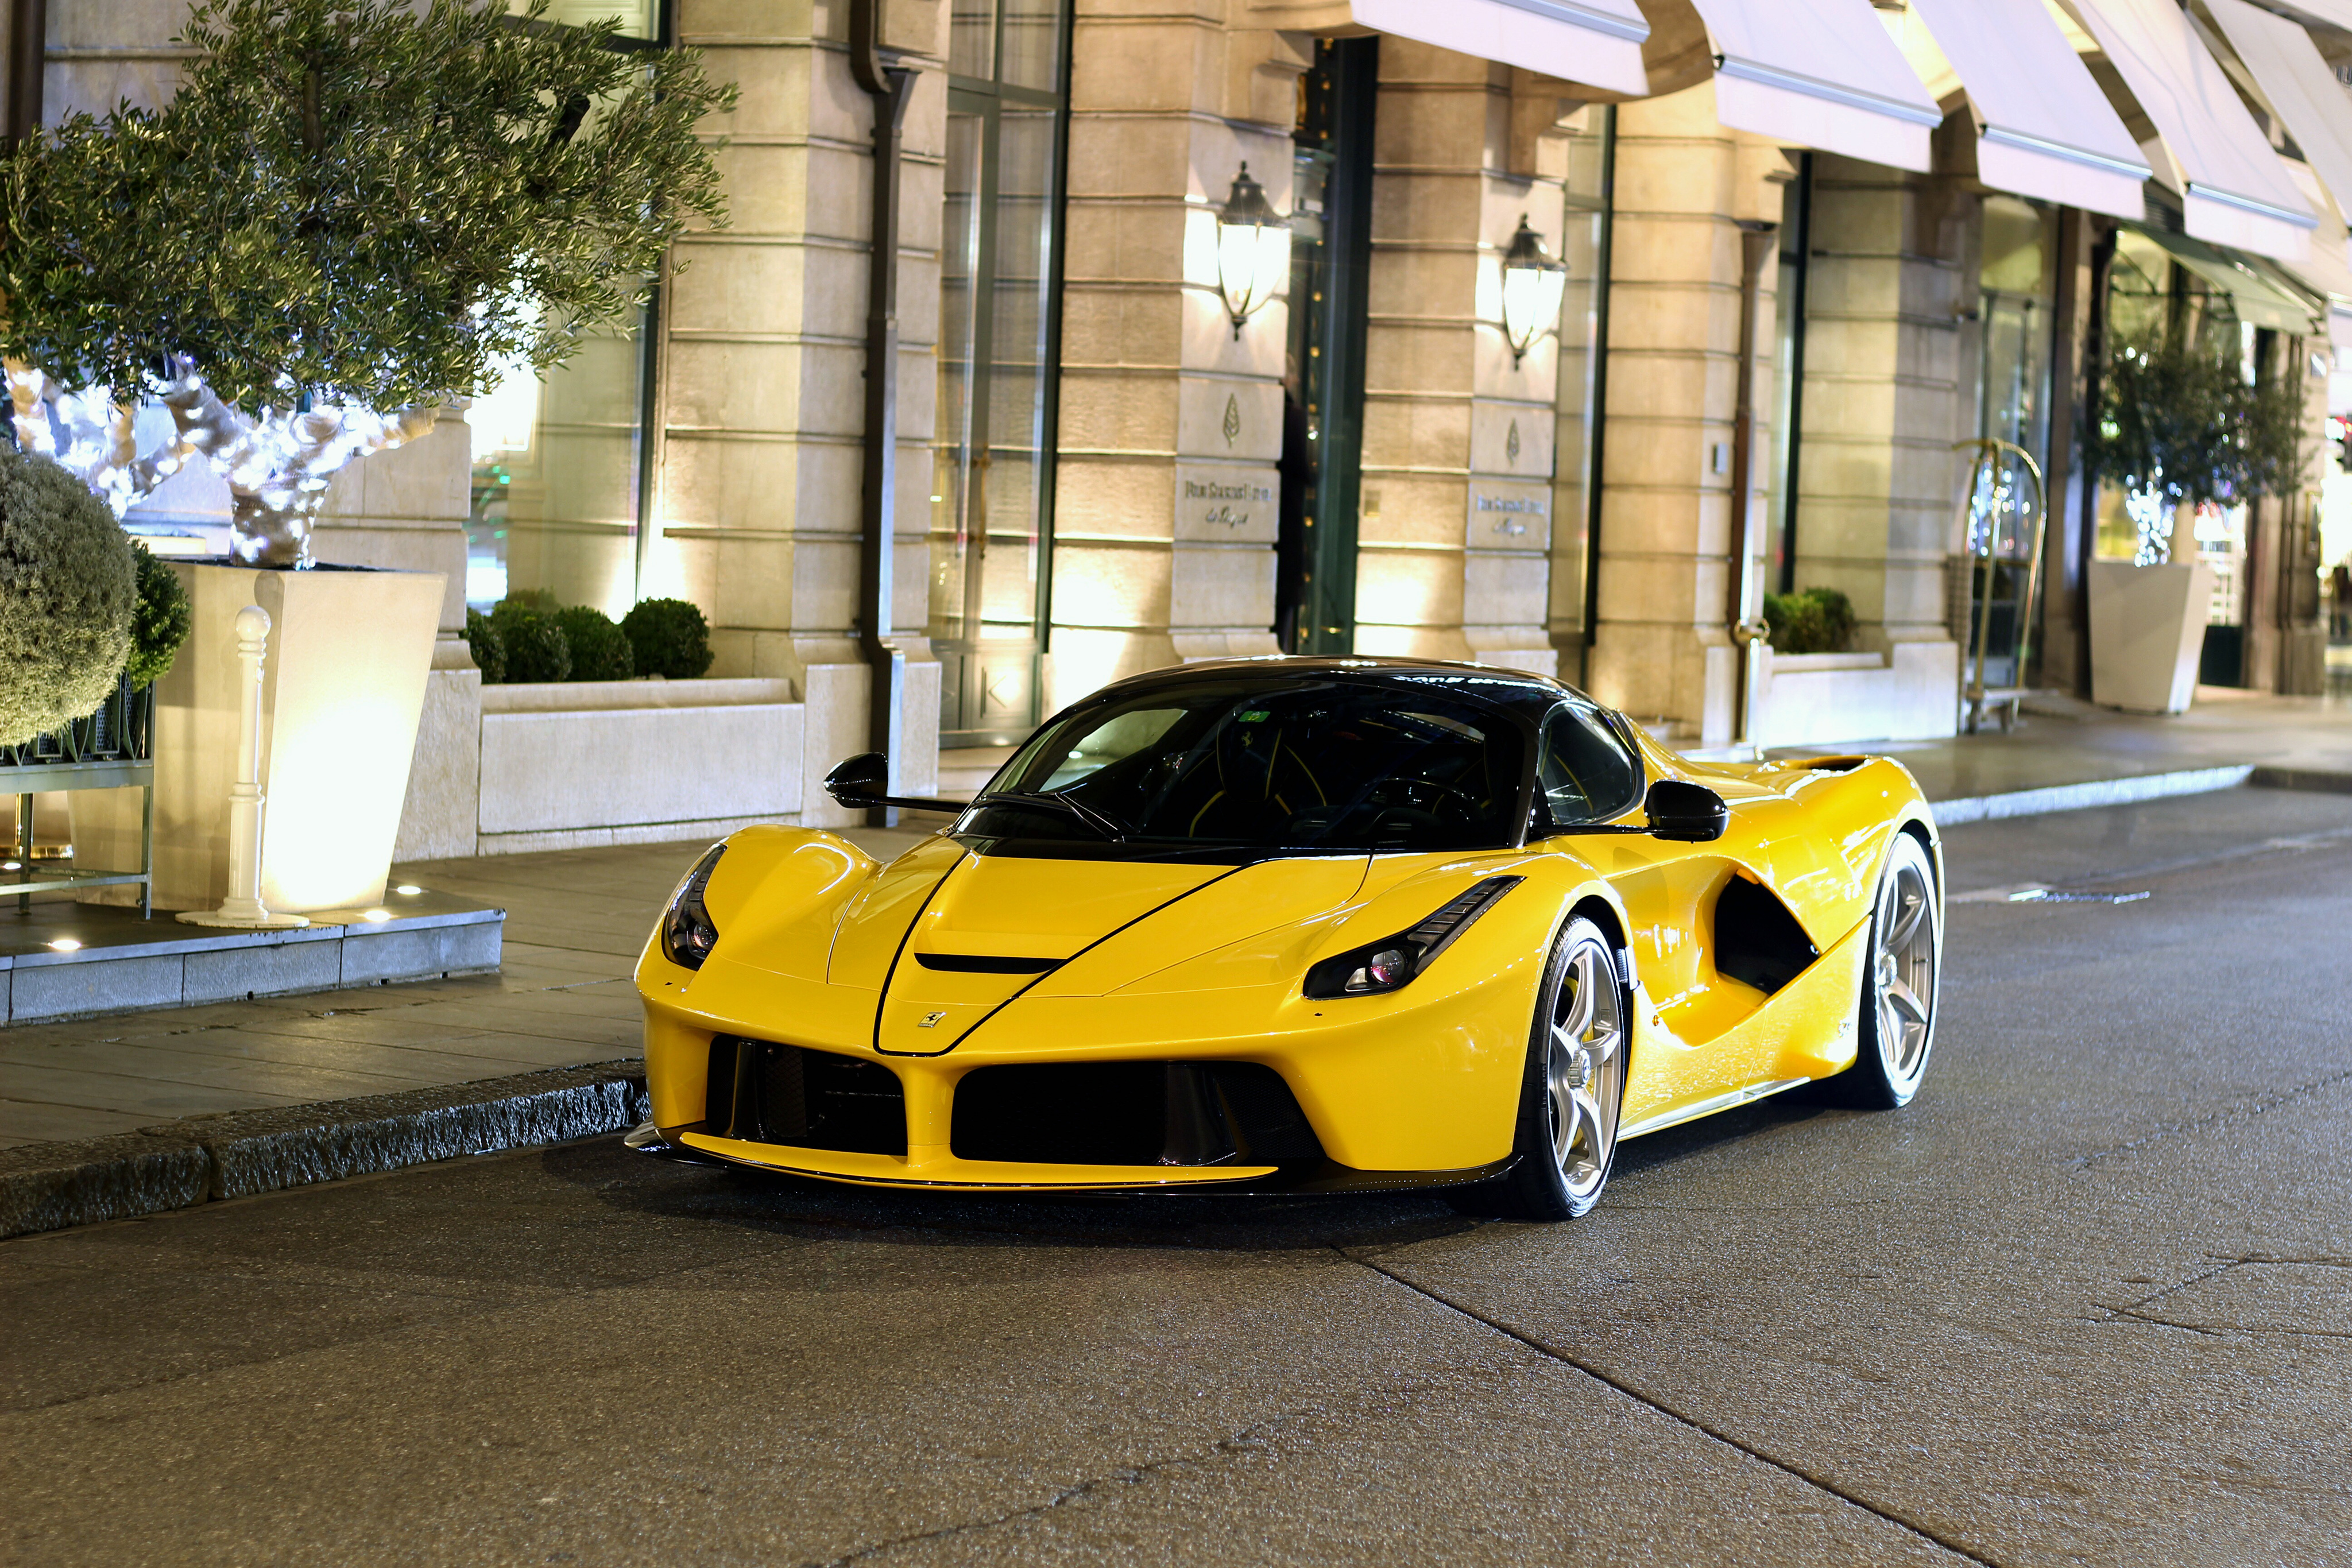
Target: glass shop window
(557,466)
(559,460)
(639,19)
(991,472)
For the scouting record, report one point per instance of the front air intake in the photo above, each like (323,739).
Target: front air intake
(764,1093)
(1132,1114)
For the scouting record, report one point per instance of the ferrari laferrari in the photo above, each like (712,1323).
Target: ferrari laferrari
(1321,924)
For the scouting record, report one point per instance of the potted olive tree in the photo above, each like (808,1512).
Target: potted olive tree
(353,214)
(2178,427)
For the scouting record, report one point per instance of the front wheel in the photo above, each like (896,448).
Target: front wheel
(1575,1085)
(1899,992)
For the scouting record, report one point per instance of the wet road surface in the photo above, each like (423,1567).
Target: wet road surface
(2089,1301)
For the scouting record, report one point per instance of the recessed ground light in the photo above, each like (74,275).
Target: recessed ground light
(408,890)
(374,915)
(67,945)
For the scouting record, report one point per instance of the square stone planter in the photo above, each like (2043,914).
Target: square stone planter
(343,680)
(599,762)
(2147,628)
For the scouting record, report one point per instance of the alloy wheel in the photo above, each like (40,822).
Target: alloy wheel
(1585,1067)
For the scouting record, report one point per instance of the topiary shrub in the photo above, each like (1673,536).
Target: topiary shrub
(1814,621)
(69,585)
(669,637)
(537,649)
(600,649)
(161,624)
(489,649)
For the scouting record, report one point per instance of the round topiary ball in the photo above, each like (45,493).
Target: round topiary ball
(670,638)
(159,626)
(68,584)
(537,649)
(489,649)
(600,649)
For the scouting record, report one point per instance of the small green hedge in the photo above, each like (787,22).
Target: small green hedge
(527,637)
(161,623)
(537,650)
(600,649)
(1814,621)
(69,591)
(489,649)
(670,637)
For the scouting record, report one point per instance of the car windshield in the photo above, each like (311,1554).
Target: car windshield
(1301,764)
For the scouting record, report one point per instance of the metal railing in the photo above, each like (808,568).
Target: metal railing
(111,748)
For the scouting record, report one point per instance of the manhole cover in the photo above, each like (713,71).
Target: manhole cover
(2060,895)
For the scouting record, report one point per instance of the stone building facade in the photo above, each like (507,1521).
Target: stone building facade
(1766,363)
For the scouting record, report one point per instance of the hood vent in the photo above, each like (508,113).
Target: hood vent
(984,963)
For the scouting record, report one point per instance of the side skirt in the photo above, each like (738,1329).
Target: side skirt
(1681,1113)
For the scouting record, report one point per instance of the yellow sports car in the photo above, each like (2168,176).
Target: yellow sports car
(1330,925)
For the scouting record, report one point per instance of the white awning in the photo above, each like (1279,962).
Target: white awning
(2232,191)
(2305,94)
(2334,13)
(2046,130)
(1597,42)
(1820,74)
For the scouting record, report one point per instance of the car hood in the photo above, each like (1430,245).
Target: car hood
(949,937)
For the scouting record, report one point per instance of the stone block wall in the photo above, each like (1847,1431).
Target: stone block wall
(1891,372)
(1458,458)
(1171,421)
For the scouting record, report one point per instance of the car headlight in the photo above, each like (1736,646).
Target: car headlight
(687,935)
(1391,963)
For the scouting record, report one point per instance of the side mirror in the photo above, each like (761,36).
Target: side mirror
(862,781)
(1685,812)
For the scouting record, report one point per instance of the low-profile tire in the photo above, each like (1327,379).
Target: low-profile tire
(1575,1084)
(1896,1026)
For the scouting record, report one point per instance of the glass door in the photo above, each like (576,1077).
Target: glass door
(2018,286)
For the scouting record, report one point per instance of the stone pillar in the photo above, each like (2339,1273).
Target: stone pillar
(1458,438)
(1663,644)
(756,505)
(1170,424)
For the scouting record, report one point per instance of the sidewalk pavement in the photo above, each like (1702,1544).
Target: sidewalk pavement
(375,1062)
(2068,754)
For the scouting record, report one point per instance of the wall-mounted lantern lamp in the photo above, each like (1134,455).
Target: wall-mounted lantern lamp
(1253,250)
(1534,281)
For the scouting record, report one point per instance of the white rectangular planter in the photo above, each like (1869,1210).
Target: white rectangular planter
(1834,700)
(344,679)
(2148,632)
(597,762)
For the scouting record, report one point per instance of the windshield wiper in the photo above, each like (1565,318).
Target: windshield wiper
(1107,827)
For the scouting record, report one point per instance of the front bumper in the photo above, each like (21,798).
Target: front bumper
(689,1145)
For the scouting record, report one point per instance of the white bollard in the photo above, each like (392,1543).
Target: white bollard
(243,907)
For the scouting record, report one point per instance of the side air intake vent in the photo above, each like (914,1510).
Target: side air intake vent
(1757,941)
(765,1092)
(1132,1114)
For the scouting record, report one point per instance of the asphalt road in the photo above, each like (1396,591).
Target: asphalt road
(2089,1301)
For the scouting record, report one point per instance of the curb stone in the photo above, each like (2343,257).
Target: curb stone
(2311,778)
(177,1164)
